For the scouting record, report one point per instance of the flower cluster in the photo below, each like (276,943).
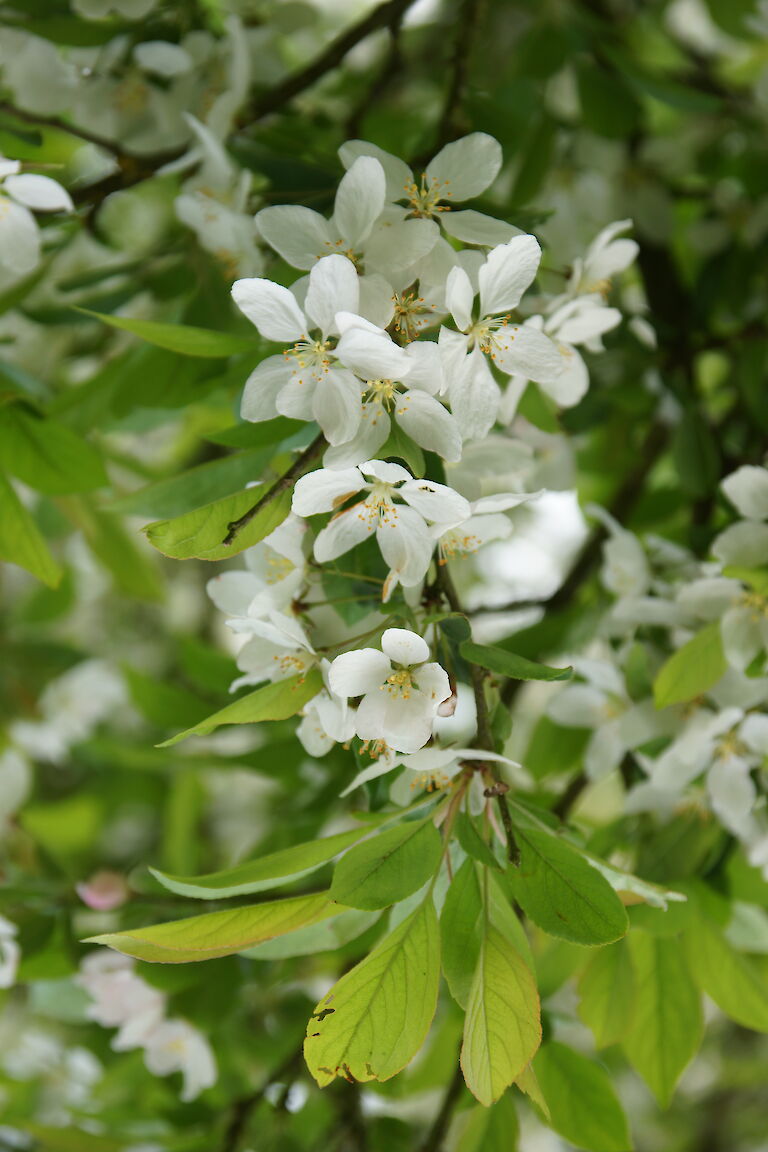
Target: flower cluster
(121,999)
(410,336)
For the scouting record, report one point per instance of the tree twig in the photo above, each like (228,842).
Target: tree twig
(242,1109)
(297,469)
(467,22)
(283,93)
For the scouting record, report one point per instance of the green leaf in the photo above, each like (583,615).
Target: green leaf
(696,455)
(46,455)
(502,1029)
(199,534)
(493,1129)
(186,491)
(608,105)
(265,434)
(327,936)
(405,449)
(473,843)
(562,893)
(163,703)
(732,979)
(582,1104)
(276,701)
(133,572)
(180,338)
(376,1017)
(607,992)
(666,1025)
(508,664)
(20,539)
(388,867)
(219,933)
(267,872)
(692,670)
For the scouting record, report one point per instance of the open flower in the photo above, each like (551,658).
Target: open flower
(277,648)
(275,570)
(515,349)
(400,528)
(486,522)
(401,692)
(303,383)
(21,194)
(608,254)
(746,544)
(326,719)
(177,1046)
(378,242)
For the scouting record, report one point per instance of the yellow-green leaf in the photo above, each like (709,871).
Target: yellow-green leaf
(581,1100)
(388,867)
(692,670)
(199,534)
(219,933)
(375,1019)
(732,979)
(276,701)
(181,338)
(502,1029)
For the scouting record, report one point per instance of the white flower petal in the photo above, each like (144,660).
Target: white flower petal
(342,533)
(577,706)
(404,647)
(522,350)
(508,271)
(300,235)
(376,300)
(397,244)
(38,193)
(271,307)
(429,424)
(337,405)
(747,490)
(435,502)
(476,228)
(587,325)
(19,238)
(383,470)
(359,200)
(358,672)
(405,544)
(295,399)
(466,167)
(425,369)
(741,639)
(232,592)
(397,173)
(572,384)
(372,432)
(333,287)
(372,356)
(262,388)
(475,397)
(744,544)
(323,490)
(459,297)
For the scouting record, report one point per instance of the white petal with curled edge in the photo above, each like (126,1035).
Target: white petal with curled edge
(323,490)
(333,287)
(404,647)
(232,592)
(429,424)
(397,173)
(434,683)
(383,470)
(747,490)
(337,405)
(435,502)
(508,271)
(459,297)
(39,193)
(262,388)
(358,672)
(343,532)
(572,384)
(466,167)
(350,320)
(503,501)
(405,544)
(19,238)
(372,356)
(300,235)
(521,350)
(588,324)
(372,432)
(271,307)
(476,228)
(359,200)
(162,58)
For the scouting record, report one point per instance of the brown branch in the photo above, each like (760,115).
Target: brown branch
(467,22)
(243,1108)
(297,469)
(275,99)
(391,67)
